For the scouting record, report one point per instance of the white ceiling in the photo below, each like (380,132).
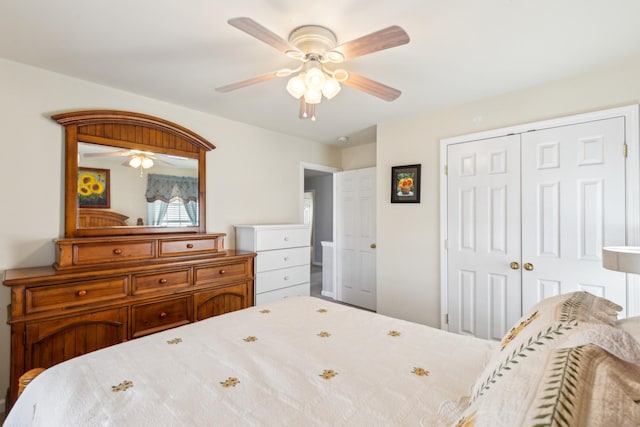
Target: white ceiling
(179,51)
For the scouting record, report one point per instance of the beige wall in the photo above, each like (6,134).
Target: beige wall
(408,234)
(261,188)
(359,157)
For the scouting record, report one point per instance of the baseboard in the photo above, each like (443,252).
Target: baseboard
(328,294)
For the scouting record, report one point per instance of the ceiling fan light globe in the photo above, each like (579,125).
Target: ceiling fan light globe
(315,79)
(146,163)
(331,88)
(135,162)
(296,86)
(312,96)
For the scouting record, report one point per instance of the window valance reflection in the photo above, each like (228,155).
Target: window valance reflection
(172,200)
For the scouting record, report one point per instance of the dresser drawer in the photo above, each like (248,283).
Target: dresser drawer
(166,280)
(282,258)
(74,294)
(94,253)
(282,238)
(297,290)
(161,315)
(178,247)
(274,279)
(222,273)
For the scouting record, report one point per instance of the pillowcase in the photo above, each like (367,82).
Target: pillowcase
(631,325)
(546,326)
(574,386)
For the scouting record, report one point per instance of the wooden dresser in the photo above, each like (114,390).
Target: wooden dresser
(103,291)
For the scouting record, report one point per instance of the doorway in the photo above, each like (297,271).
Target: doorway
(317,209)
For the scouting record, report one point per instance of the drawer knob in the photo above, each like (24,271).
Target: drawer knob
(81,293)
(286,277)
(162,281)
(163,315)
(286,258)
(189,245)
(117,251)
(286,238)
(223,271)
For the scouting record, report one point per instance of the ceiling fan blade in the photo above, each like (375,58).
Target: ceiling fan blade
(372,87)
(263,34)
(383,39)
(248,82)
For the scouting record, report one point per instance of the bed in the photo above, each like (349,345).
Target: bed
(304,361)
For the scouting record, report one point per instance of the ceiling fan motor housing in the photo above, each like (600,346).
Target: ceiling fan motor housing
(313,39)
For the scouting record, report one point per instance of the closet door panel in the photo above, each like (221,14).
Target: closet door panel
(573,204)
(483,192)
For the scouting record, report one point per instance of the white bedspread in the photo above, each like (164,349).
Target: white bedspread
(299,362)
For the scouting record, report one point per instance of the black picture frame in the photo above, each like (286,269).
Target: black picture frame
(405,184)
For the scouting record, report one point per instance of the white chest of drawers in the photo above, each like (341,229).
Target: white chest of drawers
(282,266)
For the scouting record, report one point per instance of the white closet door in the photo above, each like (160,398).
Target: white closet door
(573,204)
(483,217)
(356,237)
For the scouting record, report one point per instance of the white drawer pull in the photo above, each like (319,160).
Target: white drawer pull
(286,238)
(286,277)
(286,258)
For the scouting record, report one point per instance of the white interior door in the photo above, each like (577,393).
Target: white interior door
(483,217)
(573,198)
(356,237)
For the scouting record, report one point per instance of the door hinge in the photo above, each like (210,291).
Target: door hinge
(446,243)
(625,149)
(24,338)
(446,319)
(446,169)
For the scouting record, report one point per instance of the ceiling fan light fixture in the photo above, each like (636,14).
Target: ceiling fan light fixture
(313,96)
(331,88)
(146,163)
(296,86)
(315,79)
(135,161)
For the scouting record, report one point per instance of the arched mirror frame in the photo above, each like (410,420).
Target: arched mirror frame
(127,130)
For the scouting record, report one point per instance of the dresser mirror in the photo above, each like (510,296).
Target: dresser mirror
(128,173)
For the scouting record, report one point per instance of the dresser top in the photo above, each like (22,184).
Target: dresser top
(274,226)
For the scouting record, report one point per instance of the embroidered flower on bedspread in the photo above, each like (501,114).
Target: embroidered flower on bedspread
(175,341)
(265,311)
(421,372)
(328,374)
(467,421)
(324,334)
(250,338)
(322,310)
(394,333)
(124,385)
(230,382)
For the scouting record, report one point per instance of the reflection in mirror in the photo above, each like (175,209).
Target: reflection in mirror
(151,189)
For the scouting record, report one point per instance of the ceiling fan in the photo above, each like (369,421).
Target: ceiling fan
(136,158)
(316,47)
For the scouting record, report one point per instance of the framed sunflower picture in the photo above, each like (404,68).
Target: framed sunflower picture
(405,184)
(93,188)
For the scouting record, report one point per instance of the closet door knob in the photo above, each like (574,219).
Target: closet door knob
(528,266)
(372,246)
(514,265)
